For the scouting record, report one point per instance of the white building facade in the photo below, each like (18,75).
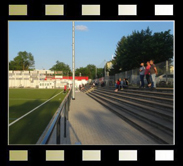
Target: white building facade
(42,79)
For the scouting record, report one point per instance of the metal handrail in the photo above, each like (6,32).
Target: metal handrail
(56,120)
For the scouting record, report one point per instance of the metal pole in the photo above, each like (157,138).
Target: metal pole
(166,72)
(67,109)
(65,121)
(73,61)
(105,69)
(58,131)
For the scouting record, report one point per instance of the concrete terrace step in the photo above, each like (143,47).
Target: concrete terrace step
(154,111)
(145,116)
(149,91)
(144,127)
(90,90)
(163,94)
(142,96)
(157,104)
(93,124)
(158,89)
(86,88)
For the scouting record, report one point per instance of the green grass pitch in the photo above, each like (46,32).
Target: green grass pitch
(28,129)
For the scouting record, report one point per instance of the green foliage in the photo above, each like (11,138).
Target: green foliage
(23,61)
(60,66)
(90,71)
(142,47)
(82,70)
(100,72)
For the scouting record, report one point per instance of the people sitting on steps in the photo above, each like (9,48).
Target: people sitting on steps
(120,85)
(116,85)
(102,84)
(125,83)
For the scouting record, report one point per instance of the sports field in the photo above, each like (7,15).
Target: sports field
(30,111)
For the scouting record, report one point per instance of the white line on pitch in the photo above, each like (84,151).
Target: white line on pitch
(32,110)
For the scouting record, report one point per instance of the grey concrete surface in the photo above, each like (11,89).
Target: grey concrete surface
(90,123)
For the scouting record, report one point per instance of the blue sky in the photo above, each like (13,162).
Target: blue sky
(95,41)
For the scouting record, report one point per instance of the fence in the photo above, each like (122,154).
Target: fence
(164,68)
(55,123)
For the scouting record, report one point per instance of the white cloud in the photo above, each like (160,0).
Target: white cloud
(81,28)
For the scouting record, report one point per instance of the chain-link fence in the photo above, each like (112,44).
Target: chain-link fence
(164,76)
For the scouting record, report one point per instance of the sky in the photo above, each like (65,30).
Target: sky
(95,41)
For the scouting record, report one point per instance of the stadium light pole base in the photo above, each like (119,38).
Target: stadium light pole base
(73,98)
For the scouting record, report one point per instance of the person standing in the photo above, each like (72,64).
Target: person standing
(65,88)
(147,74)
(141,72)
(153,72)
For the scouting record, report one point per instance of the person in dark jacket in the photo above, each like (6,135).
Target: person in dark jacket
(141,73)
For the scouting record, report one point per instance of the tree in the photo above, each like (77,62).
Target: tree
(163,46)
(141,47)
(90,71)
(24,61)
(100,72)
(61,66)
(119,54)
(82,70)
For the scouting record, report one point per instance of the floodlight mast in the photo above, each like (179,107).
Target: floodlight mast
(105,69)
(73,61)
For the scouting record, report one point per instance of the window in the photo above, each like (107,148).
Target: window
(164,76)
